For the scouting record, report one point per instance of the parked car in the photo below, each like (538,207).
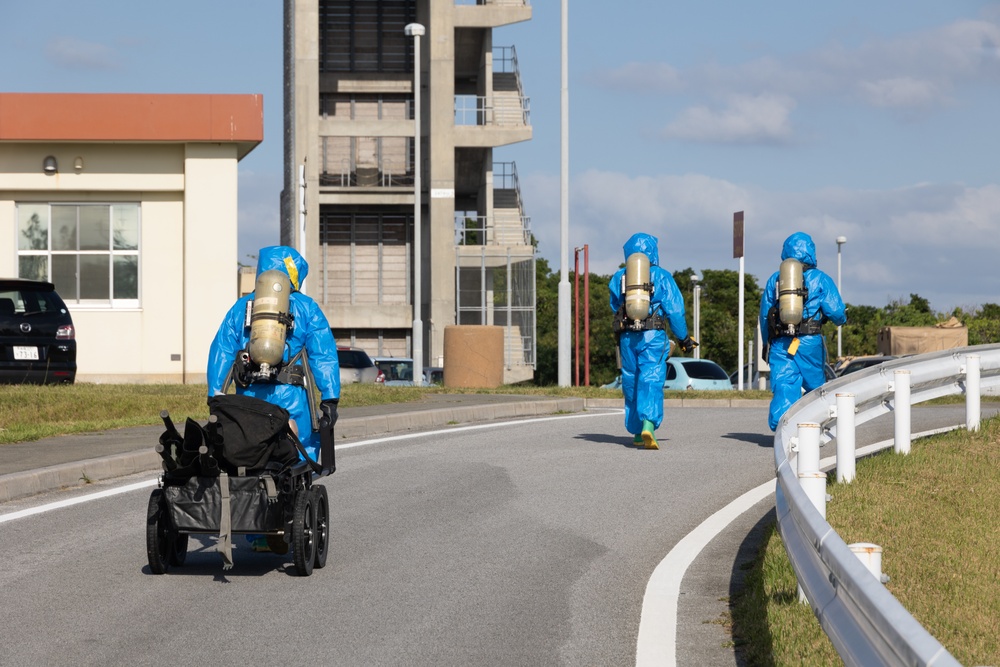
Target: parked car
(688,373)
(827,370)
(685,373)
(860,363)
(356,366)
(398,371)
(433,375)
(395,370)
(37,337)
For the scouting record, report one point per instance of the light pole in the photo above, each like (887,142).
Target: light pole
(841,240)
(416,30)
(696,279)
(564,333)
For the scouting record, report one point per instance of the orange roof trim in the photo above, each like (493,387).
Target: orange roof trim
(131,117)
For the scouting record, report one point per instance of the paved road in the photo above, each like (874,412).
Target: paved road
(513,544)
(528,543)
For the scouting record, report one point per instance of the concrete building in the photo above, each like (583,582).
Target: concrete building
(127,203)
(348,202)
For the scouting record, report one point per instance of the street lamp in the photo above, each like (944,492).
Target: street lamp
(695,279)
(416,30)
(841,240)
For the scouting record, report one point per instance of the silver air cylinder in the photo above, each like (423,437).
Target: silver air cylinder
(637,286)
(790,302)
(267,332)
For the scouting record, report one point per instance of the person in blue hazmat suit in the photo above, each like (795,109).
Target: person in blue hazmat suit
(645,299)
(797,300)
(308,330)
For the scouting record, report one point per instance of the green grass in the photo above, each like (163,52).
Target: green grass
(29,412)
(936,514)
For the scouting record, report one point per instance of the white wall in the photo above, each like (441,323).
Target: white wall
(188,245)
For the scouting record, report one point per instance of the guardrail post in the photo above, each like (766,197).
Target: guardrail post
(901,407)
(814,484)
(807,459)
(871,555)
(972,392)
(846,452)
(812,481)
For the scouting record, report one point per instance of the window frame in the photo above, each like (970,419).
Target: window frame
(112,254)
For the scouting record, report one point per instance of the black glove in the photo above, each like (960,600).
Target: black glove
(328,407)
(688,344)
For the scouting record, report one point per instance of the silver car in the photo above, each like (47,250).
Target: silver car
(356,366)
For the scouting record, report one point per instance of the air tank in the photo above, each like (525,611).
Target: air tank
(790,302)
(270,306)
(637,286)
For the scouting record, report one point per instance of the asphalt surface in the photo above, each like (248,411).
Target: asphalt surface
(67,461)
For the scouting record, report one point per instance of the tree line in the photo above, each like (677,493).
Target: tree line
(719,303)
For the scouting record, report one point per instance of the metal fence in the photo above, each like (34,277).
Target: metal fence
(865,623)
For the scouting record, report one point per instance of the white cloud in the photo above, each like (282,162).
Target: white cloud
(74,53)
(937,241)
(746,119)
(640,77)
(905,92)
(918,70)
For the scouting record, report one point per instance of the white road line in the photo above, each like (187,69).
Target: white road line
(152,482)
(591,412)
(78,500)
(657,642)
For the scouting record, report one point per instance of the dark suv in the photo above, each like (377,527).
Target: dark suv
(37,338)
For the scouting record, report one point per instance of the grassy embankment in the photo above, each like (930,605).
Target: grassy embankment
(32,412)
(936,514)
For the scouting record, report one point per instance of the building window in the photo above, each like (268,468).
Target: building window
(90,252)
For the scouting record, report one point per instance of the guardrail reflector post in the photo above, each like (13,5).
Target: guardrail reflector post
(871,556)
(846,453)
(814,484)
(807,459)
(901,408)
(972,392)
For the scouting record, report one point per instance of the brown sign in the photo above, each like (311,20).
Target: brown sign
(737,234)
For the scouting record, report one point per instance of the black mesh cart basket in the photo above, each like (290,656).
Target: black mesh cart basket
(244,472)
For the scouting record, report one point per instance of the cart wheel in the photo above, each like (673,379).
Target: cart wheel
(304,533)
(161,539)
(322,503)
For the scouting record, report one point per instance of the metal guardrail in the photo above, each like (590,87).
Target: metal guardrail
(865,622)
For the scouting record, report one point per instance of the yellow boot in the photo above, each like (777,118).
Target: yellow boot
(648,439)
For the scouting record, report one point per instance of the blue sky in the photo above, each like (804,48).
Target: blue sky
(874,121)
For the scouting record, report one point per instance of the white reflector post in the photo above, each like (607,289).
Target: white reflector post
(871,556)
(807,459)
(814,484)
(972,392)
(846,454)
(901,405)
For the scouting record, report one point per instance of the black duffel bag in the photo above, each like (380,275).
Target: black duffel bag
(253,432)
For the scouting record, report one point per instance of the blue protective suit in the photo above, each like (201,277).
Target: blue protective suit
(644,353)
(790,374)
(310,330)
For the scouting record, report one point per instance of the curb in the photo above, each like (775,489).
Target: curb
(18,485)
